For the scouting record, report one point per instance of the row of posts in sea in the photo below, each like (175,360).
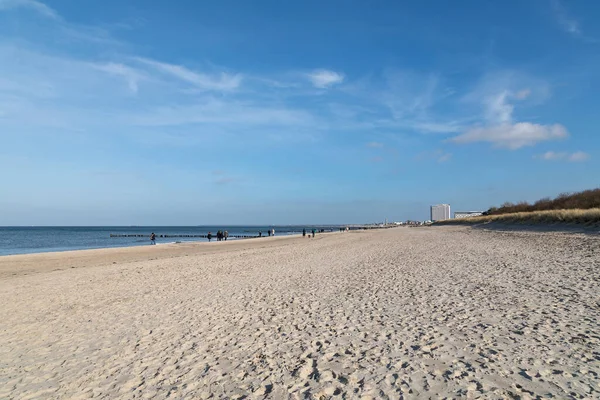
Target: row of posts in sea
(119,235)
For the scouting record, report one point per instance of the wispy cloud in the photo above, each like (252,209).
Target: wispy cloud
(578,156)
(217,112)
(34,5)
(498,110)
(523,94)
(323,78)
(405,101)
(439,155)
(444,157)
(215,102)
(568,23)
(411,94)
(222,178)
(131,75)
(222,81)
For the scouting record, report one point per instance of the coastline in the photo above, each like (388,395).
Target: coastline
(24,264)
(32,240)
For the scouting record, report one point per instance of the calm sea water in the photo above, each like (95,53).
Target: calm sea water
(23,240)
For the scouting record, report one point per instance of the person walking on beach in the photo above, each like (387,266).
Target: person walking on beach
(209,236)
(273,232)
(313,232)
(152,238)
(268,232)
(225,235)
(304,232)
(260,234)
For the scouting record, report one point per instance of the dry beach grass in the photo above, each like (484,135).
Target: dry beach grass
(589,217)
(398,313)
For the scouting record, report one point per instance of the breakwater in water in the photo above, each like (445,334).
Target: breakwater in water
(112,235)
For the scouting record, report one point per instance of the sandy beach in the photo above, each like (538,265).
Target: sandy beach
(441,312)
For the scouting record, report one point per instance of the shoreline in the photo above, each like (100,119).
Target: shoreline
(29,263)
(146,243)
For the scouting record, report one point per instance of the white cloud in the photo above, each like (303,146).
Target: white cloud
(323,78)
(131,75)
(222,81)
(497,93)
(34,5)
(578,156)
(513,136)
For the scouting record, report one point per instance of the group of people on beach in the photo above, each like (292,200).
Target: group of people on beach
(304,232)
(221,235)
(270,232)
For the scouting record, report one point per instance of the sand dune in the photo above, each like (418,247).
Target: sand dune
(398,313)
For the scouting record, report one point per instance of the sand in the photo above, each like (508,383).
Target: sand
(398,313)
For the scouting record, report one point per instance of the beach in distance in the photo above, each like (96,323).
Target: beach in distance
(401,313)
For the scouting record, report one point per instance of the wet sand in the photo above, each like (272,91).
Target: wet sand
(397,313)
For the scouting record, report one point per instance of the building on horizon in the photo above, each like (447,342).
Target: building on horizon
(467,214)
(440,212)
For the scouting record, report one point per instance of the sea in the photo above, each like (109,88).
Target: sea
(26,240)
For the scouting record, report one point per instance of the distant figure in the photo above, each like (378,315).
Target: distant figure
(152,238)
(225,235)
(303,232)
(313,232)
(219,236)
(209,236)
(273,232)
(268,232)
(260,234)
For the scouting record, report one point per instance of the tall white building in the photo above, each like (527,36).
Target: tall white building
(440,212)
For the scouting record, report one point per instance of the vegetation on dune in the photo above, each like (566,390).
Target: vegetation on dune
(583,217)
(565,201)
(581,208)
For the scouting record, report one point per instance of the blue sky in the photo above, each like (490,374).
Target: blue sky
(269,112)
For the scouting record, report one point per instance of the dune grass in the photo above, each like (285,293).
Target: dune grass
(584,200)
(588,217)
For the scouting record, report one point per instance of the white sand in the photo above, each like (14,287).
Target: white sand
(399,313)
